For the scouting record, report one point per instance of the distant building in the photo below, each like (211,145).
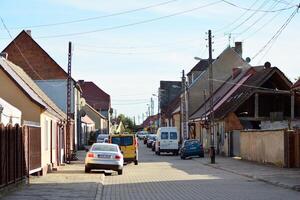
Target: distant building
(98,99)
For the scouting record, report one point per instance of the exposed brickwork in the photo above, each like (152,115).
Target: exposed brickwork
(42,66)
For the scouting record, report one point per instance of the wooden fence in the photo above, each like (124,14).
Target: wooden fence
(12,155)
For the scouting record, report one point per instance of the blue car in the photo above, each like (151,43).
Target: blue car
(191,148)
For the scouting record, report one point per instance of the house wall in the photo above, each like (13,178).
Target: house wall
(94,116)
(11,93)
(176,119)
(59,86)
(49,131)
(263,146)
(267,125)
(222,70)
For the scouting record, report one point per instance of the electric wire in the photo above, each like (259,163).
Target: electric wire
(236,20)
(132,24)
(14,42)
(257,20)
(258,10)
(278,32)
(249,17)
(95,18)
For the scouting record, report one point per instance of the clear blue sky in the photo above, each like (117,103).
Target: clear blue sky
(129,62)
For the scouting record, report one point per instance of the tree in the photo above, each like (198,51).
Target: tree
(128,123)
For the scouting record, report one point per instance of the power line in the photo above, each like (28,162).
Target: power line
(257,10)
(250,16)
(236,20)
(132,24)
(97,17)
(278,32)
(258,19)
(267,23)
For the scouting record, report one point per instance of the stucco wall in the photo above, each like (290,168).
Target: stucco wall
(222,70)
(263,146)
(11,93)
(176,118)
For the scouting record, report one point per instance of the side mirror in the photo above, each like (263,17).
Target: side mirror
(122,152)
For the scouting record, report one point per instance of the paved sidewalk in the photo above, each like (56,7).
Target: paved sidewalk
(69,182)
(283,177)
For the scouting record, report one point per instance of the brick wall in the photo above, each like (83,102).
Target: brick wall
(41,66)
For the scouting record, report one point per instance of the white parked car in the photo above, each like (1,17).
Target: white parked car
(104,156)
(167,140)
(142,134)
(101,138)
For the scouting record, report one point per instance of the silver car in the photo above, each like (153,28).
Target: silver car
(104,156)
(101,138)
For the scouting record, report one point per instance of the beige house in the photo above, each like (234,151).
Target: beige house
(101,122)
(43,118)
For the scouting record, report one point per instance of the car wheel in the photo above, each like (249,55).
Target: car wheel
(87,169)
(120,172)
(136,162)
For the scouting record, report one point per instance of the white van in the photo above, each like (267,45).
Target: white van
(167,140)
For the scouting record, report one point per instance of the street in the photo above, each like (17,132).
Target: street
(156,177)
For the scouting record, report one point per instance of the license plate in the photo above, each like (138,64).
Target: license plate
(103,156)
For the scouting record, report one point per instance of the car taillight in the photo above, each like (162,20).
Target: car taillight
(117,157)
(91,155)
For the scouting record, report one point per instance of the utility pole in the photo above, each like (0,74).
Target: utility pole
(184,117)
(211,103)
(152,106)
(69,90)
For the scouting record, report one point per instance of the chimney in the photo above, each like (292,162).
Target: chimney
(239,48)
(28,32)
(235,72)
(80,82)
(4,55)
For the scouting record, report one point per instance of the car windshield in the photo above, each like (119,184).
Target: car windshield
(122,141)
(191,142)
(104,148)
(173,135)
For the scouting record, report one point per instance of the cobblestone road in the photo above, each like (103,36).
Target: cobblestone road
(156,177)
(167,177)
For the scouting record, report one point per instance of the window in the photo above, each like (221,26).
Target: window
(122,141)
(173,135)
(164,135)
(104,148)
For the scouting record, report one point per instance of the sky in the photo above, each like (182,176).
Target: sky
(126,47)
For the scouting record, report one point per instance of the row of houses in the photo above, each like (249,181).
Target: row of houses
(245,98)
(33,94)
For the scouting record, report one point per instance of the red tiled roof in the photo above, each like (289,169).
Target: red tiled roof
(94,96)
(152,118)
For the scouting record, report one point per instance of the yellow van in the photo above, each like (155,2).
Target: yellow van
(128,145)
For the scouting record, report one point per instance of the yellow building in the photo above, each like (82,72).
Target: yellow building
(44,120)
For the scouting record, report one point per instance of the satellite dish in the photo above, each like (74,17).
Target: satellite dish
(248,60)
(82,102)
(267,65)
